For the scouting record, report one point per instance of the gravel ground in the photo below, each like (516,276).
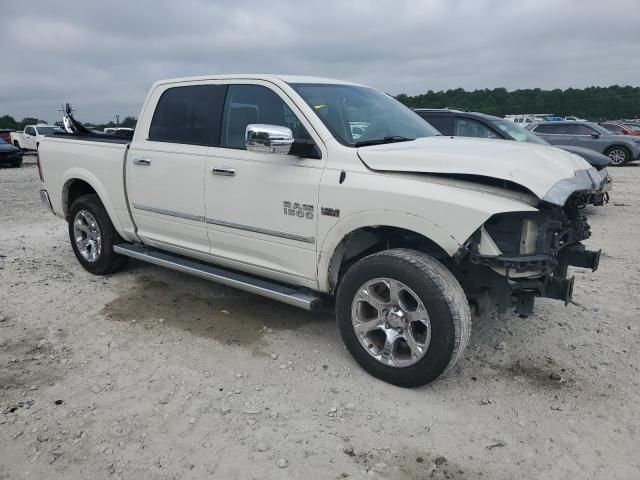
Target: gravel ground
(152,374)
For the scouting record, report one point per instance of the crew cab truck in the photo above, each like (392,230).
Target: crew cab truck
(257,182)
(31,136)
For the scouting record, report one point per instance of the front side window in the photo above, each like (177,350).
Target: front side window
(188,115)
(248,104)
(379,117)
(466,127)
(46,130)
(579,130)
(517,132)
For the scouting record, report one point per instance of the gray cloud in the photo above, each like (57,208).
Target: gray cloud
(102,57)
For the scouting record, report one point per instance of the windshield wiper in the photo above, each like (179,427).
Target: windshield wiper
(381,141)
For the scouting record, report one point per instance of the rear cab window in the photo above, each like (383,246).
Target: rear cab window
(188,115)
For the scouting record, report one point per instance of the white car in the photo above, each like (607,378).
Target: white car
(256,182)
(32,135)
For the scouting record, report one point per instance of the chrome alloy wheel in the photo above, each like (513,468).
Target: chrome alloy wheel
(617,156)
(391,322)
(86,233)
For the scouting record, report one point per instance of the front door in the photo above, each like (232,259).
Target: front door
(166,164)
(261,208)
(585,136)
(29,139)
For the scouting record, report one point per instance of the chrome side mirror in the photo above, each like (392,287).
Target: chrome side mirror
(263,138)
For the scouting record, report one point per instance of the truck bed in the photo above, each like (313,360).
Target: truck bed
(94,137)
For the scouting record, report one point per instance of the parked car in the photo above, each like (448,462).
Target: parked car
(405,228)
(32,135)
(619,128)
(10,156)
(5,134)
(474,124)
(479,125)
(633,126)
(621,149)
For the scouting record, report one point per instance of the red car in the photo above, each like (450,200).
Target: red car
(619,128)
(5,134)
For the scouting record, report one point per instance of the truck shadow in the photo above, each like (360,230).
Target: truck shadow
(205,309)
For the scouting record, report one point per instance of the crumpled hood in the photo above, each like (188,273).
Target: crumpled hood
(549,173)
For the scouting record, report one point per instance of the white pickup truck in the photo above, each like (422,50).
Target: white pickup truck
(32,135)
(257,182)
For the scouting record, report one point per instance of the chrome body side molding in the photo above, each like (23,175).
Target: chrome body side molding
(265,231)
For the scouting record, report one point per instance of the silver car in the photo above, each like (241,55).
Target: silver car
(620,149)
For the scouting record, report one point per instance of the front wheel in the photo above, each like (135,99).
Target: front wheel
(93,236)
(618,155)
(403,316)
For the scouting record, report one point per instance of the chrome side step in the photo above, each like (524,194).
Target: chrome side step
(266,288)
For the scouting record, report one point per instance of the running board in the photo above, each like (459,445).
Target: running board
(266,288)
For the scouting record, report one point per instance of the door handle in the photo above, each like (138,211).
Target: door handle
(145,162)
(224,171)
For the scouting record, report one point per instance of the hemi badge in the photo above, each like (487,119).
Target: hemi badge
(330,212)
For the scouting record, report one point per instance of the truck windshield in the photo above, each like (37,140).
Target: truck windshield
(359,116)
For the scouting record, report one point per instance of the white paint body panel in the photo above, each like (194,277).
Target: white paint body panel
(179,180)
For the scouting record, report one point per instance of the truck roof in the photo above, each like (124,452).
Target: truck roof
(258,76)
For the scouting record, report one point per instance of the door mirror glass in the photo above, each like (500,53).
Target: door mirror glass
(595,135)
(263,138)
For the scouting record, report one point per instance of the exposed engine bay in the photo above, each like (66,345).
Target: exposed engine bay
(515,257)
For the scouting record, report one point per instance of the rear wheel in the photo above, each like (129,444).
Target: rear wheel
(403,316)
(93,236)
(618,155)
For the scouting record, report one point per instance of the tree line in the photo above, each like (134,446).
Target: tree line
(593,103)
(7,121)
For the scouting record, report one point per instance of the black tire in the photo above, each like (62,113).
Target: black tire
(17,165)
(443,298)
(17,144)
(618,155)
(107,261)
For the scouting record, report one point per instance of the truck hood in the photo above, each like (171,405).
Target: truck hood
(549,173)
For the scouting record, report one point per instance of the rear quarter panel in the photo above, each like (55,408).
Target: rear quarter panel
(98,164)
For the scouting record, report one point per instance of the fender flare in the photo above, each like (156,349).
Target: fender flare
(88,177)
(372,218)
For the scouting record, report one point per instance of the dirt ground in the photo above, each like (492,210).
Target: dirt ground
(151,374)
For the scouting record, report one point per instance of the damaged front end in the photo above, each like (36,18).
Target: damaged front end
(517,256)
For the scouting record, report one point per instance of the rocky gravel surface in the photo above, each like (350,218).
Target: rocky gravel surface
(150,374)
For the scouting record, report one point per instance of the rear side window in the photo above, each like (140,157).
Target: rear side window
(551,128)
(247,104)
(189,115)
(442,123)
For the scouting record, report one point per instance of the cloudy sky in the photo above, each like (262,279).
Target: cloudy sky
(103,55)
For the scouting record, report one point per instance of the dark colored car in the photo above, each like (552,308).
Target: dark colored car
(10,156)
(473,124)
(621,149)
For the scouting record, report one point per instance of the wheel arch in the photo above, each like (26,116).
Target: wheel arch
(78,182)
(370,232)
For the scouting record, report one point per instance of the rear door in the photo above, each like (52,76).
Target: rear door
(261,208)
(554,133)
(166,164)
